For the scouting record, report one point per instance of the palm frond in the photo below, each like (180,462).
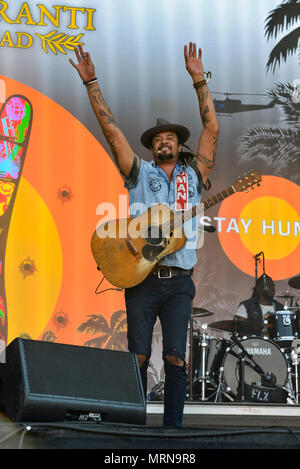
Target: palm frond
(48,336)
(281,95)
(283,16)
(117,342)
(278,148)
(95,324)
(280,92)
(268,135)
(118,321)
(285,47)
(96,342)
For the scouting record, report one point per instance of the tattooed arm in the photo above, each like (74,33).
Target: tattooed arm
(207,146)
(120,148)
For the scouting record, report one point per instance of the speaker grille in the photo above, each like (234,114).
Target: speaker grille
(80,372)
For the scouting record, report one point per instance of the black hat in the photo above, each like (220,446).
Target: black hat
(163,126)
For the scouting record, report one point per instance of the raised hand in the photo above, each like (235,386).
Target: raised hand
(193,61)
(85,66)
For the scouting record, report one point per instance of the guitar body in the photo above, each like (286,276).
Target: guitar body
(127,250)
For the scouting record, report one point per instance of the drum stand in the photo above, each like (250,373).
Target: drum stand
(191,358)
(241,388)
(295,362)
(221,390)
(204,345)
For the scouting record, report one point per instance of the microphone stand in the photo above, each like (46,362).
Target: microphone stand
(256,259)
(242,362)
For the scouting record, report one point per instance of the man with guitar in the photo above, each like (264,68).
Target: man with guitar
(167,292)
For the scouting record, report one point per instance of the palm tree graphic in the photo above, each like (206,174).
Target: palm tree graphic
(283,17)
(277,148)
(109,336)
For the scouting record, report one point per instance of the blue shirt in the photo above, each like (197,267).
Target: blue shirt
(151,186)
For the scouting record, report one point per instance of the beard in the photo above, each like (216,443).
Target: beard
(162,154)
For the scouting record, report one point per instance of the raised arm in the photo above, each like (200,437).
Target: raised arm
(118,143)
(207,146)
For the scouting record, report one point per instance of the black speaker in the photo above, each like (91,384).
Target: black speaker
(51,382)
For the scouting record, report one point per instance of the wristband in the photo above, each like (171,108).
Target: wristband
(204,82)
(199,84)
(93,80)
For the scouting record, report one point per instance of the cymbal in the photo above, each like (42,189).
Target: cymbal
(201,312)
(237,325)
(294,282)
(285,295)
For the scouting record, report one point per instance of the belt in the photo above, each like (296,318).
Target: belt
(169,272)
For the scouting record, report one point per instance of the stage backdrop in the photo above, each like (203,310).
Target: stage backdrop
(56,172)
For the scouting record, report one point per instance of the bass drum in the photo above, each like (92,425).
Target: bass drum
(265,353)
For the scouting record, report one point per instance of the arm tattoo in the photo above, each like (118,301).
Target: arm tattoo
(204,113)
(215,148)
(102,107)
(110,119)
(115,154)
(202,96)
(202,159)
(204,109)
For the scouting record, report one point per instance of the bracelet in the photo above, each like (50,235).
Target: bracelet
(93,80)
(199,84)
(204,82)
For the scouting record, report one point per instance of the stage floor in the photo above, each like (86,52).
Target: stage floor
(215,414)
(206,425)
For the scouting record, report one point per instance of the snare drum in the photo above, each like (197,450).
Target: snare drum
(265,353)
(282,327)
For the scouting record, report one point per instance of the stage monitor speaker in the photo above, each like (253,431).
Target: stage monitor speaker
(51,382)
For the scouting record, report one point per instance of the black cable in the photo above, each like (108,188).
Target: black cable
(107,289)
(12,434)
(166,432)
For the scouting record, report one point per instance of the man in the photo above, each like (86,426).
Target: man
(169,290)
(260,304)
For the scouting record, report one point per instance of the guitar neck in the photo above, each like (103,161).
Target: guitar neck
(215,199)
(184,216)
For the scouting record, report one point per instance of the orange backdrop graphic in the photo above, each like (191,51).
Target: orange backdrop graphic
(50,275)
(271,224)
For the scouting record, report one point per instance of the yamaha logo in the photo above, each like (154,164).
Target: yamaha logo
(259,351)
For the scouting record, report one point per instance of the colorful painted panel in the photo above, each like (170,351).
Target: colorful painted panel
(15,124)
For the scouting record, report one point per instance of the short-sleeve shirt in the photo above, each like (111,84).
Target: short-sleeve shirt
(265,309)
(148,184)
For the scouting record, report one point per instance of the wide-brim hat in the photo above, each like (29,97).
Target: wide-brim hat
(163,126)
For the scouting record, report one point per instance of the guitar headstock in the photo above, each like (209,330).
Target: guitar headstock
(245,182)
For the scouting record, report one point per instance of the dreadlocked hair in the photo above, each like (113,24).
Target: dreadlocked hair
(186,158)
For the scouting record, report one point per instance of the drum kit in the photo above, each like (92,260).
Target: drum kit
(246,366)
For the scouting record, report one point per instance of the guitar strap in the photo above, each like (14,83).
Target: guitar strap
(181,191)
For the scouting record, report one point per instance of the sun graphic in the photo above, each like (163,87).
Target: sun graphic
(49,267)
(268,220)
(30,301)
(65,194)
(27,267)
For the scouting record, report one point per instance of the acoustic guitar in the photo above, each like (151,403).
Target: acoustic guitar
(126,250)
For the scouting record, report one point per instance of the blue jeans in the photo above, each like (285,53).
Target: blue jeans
(171,301)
